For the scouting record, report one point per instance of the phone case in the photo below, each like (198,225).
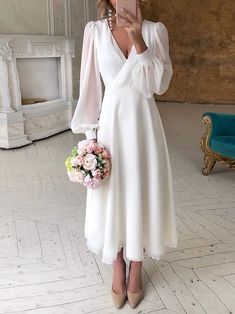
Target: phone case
(130,5)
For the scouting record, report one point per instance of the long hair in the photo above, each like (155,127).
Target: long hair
(104,5)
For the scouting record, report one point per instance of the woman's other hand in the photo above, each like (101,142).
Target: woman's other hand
(94,140)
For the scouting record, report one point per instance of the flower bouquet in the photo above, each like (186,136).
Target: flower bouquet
(88,163)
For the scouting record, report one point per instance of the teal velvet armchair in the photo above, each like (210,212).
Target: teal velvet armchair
(218,141)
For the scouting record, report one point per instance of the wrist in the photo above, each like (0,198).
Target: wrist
(91,134)
(140,45)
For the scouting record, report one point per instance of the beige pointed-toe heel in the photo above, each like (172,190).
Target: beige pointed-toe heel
(134,298)
(119,298)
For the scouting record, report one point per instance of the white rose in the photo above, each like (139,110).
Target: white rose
(89,162)
(76,176)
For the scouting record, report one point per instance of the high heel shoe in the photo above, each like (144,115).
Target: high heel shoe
(134,298)
(119,298)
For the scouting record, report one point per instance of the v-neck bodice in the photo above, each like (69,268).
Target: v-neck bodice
(116,45)
(113,64)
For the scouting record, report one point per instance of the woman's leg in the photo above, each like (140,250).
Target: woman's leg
(135,276)
(119,274)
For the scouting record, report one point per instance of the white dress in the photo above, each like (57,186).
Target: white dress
(134,207)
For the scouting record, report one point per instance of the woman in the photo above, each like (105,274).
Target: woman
(134,207)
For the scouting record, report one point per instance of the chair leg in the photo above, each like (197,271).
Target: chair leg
(209,162)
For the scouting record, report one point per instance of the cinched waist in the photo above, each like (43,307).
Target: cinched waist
(120,89)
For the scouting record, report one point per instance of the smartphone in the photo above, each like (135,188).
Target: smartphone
(130,5)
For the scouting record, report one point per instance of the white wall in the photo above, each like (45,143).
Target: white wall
(49,17)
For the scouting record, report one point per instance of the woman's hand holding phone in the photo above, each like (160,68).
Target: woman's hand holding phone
(134,28)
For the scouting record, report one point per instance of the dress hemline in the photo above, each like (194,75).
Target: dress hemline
(109,260)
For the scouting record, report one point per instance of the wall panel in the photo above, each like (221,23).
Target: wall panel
(23,17)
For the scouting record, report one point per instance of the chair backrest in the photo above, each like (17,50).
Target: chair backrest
(222,123)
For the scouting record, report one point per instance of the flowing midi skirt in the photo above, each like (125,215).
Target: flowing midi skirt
(134,207)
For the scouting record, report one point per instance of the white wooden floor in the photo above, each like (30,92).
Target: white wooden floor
(45,267)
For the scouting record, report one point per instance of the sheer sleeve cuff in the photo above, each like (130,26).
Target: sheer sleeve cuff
(145,56)
(90,134)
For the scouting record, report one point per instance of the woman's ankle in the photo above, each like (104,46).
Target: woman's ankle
(135,276)
(119,276)
(119,260)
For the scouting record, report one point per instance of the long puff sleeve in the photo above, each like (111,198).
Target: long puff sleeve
(153,73)
(86,115)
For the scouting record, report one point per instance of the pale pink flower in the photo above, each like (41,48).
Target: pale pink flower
(90,147)
(82,144)
(89,162)
(96,183)
(81,151)
(92,183)
(107,165)
(80,160)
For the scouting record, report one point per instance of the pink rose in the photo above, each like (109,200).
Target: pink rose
(107,174)
(95,144)
(98,149)
(105,154)
(97,173)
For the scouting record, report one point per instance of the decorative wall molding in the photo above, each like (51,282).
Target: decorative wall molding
(86,11)
(50,17)
(86,16)
(5,51)
(67,17)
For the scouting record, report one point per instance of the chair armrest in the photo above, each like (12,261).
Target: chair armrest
(221,123)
